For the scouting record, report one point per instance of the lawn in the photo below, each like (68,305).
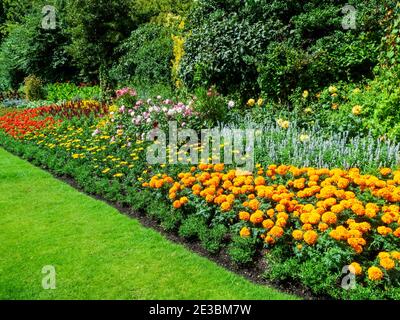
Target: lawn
(97,252)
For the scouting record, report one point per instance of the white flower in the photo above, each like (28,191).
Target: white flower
(231,104)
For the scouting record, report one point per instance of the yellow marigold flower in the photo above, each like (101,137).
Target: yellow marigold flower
(305,94)
(251,102)
(260,102)
(118,175)
(387,263)
(332,90)
(356,110)
(284,124)
(297,235)
(184,200)
(356,268)
(106,170)
(75,156)
(308,110)
(304,138)
(245,232)
(310,237)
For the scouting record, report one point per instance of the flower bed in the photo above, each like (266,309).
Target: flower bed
(318,226)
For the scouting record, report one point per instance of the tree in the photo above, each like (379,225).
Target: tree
(31,49)
(96,28)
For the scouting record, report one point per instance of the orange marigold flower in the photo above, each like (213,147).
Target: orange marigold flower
(177,204)
(172,195)
(268,239)
(310,237)
(307,226)
(357,270)
(388,218)
(397,232)
(254,204)
(245,232)
(243,215)
(329,218)
(314,217)
(387,263)
(257,217)
(282,215)
(384,231)
(383,255)
(281,222)
(276,232)
(259,181)
(395,255)
(271,213)
(268,224)
(280,207)
(226,206)
(184,200)
(297,235)
(338,208)
(358,209)
(323,227)
(385,171)
(375,274)
(219,167)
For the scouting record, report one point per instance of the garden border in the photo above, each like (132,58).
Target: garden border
(253,274)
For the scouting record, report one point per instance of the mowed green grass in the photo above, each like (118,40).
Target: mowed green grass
(97,252)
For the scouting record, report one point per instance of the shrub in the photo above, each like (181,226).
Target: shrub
(34,88)
(69,91)
(212,238)
(285,45)
(30,49)
(211,106)
(192,227)
(145,56)
(242,250)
